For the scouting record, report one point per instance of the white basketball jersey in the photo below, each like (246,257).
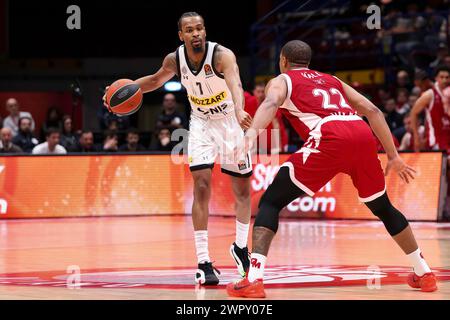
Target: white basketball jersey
(207,90)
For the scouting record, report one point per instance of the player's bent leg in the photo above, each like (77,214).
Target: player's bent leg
(394,221)
(398,227)
(206,274)
(280,193)
(239,249)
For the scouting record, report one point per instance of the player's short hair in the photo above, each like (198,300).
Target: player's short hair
(441,68)
(297,52)
(51,131)
(188,15)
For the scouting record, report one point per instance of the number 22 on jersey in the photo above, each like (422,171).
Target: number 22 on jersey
(326,98)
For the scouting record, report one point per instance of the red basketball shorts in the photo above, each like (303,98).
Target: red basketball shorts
(346,145)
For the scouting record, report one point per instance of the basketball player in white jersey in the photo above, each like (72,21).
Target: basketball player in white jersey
(210,75)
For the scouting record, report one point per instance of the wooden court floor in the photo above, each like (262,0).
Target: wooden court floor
(153,258)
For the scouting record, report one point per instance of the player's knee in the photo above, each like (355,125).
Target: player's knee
(394,221)
(202,186)
(268,213)
(242,194)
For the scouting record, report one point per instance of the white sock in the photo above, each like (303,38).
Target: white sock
(241,234)
(201,245)
(420,266)
(257,264)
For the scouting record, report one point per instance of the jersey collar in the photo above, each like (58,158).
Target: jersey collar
(190,67)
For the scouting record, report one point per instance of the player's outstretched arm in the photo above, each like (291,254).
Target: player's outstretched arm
(418,107)
(276,92)
(156,80)
(226,62)
(164,74)
(381,129)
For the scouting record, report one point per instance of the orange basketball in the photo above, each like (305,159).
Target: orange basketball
(124,97)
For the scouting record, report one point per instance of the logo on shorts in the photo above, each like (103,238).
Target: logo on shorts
(190,160)
(242,165)
(208,70)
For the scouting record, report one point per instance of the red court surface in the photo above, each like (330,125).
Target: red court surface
(154,258)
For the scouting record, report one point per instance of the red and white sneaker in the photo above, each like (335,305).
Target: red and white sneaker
(426,283)
(246,289)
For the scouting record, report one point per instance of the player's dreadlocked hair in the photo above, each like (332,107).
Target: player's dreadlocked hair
(297,52)
(188,15)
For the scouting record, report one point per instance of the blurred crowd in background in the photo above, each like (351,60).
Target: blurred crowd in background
(418,37)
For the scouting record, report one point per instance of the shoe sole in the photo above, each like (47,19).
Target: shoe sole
(250,295)
(198,280)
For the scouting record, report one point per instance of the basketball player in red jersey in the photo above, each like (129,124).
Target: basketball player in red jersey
(437,117)
(210,75)
(323,110)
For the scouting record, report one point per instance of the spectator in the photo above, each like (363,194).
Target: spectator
(51,146)
(132,144)
(169,117)
(12,121)
(6,145)
(105,117)
(113,125)
(259,92)
(111,142)
(447,61)
(393,118)
(265,144)
(412,99)
(403,80)
(402,101)
(86,142)
(383,95)
(69,140)
(163,142)
(24,138)
(53,120)
(407,142)
(442,53)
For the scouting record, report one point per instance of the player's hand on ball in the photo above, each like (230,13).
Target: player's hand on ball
(104,99)
(244,119)
(403,170)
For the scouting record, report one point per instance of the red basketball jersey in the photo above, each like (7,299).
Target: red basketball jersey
(437,121)
(312,96)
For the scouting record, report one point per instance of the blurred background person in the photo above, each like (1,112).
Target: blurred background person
(51,145)
(6,145)
(407,142)
(163,142)
(12,121)
(111,142)
(170,118)
(53,120)
(86,142)
(277,127)
(132,144)
(69,139)
(25,138)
